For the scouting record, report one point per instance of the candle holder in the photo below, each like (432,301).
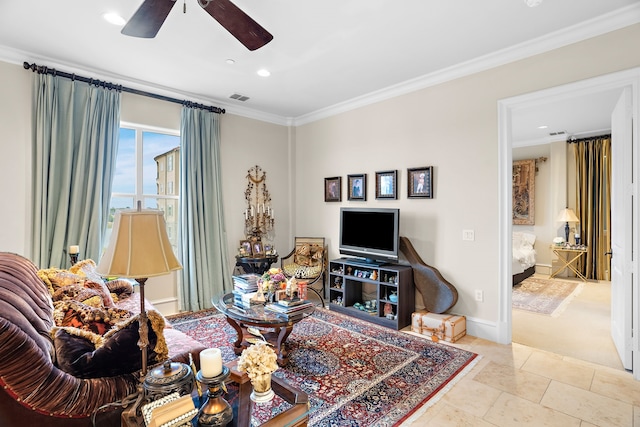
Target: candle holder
(215,411)
(74,259)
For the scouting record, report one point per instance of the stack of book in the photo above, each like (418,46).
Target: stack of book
(290,309)
(244,288)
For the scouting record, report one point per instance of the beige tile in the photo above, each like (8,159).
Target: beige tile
(452,417)
(587,424)
(618,385)
(586,405)
(513,411)
(636,416)
(519,383)
(472,397)
(555,367)
(510,355)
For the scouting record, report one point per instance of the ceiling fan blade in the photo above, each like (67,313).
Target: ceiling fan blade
(148,19)
(239,24)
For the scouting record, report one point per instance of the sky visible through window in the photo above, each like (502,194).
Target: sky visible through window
(124,181)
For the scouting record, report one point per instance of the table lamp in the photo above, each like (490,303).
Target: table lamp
(567,215)
(139,248)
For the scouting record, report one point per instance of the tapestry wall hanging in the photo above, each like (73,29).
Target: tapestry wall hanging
(524,172)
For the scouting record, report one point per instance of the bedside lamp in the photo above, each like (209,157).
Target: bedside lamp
(567,215)
(139,248)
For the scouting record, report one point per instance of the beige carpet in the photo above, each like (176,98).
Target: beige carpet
(582,331)
(545,296)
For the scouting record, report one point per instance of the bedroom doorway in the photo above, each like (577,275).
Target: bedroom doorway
(629,80)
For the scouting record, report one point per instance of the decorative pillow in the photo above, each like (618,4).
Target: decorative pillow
(86,355)
(121,287)
(87,269)
(55,278)
(76,314)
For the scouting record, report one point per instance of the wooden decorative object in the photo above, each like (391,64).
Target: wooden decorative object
(438,295)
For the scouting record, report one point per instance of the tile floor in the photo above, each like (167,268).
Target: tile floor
(515,385)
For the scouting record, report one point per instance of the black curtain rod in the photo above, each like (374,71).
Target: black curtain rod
(40,69)
(591,138)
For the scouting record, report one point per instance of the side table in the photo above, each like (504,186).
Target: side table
(569,256)
(297,415)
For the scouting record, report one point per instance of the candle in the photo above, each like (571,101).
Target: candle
(211,362)
(74,249)
(252,211)
(273,215)
(263,211)
(246,214)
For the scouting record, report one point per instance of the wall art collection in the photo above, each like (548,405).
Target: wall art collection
(419,185)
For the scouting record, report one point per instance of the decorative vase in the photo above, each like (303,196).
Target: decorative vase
(262,391)
(393,297)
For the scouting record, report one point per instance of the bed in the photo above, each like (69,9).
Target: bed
(524,256)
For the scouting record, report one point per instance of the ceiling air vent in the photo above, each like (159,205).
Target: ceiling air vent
(562,132)
(239,97)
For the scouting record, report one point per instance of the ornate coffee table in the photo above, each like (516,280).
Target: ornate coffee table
(274,329)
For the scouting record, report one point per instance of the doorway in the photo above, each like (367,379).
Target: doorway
(506,109)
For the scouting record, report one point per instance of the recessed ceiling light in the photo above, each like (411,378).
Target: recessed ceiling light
(230,61)
(114,18)
(543,127)
(532,3)
(264,72)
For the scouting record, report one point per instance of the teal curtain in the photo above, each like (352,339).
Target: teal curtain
(74,148)
(203,234)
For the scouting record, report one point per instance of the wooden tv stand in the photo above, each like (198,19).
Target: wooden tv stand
(353,282)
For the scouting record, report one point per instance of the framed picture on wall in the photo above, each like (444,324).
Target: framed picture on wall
(333,189)
(357,187)
(419,183)
(386,185)
(523,193)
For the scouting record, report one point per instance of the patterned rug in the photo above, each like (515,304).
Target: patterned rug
(545,296)
(355,373)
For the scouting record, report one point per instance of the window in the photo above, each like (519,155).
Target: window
(170,162)
(140,174)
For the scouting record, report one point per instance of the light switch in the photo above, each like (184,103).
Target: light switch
(468,235)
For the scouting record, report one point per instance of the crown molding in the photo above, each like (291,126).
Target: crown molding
(612,21)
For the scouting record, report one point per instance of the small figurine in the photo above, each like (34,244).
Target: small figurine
(374,275)
(388,309)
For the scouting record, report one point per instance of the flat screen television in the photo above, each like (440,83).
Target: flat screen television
(370,233)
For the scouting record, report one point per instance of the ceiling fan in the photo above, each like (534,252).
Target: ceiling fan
(150,16)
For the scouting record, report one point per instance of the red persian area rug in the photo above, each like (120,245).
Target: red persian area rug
(355,373)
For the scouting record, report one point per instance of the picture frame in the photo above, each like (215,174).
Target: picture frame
(420,183)
(333,189)
(523,192)
(387,184)
(258,250)
(357,187)
(245,248)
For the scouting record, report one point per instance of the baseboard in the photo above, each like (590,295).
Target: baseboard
(166,306)
(481,328)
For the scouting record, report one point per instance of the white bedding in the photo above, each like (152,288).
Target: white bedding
(524,255)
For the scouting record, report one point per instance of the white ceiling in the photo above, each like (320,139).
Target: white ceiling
(326,56)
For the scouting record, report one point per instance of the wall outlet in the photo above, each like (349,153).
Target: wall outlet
(468,235)
(479,295)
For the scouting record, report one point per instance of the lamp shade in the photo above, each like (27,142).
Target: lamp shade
(567,215)
(139,246)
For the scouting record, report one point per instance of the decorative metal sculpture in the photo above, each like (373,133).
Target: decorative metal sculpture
(259,218)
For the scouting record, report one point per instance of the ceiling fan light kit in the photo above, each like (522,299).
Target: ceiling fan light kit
(147,20)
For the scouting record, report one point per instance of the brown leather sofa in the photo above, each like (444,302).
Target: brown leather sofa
(34,391)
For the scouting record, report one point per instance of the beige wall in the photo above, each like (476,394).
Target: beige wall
(451,126)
